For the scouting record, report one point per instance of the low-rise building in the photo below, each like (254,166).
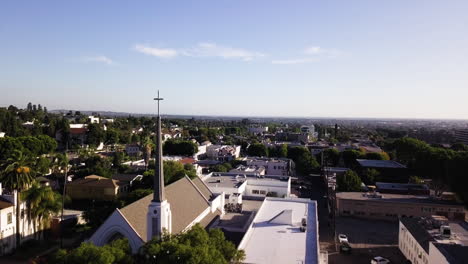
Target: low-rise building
(273,166)
(96,187)
(127,179)
(224,153)
(402,188)
(433,240)
(8,216)
(258,130)
(249,170)
(283,231)
(133,149)
(394,206)
(389,170)
(93,119)
(248,185)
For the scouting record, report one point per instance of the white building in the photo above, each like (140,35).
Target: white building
(433,240)
(2,134)
(93,119)
(248,185)
(272,166)
(8,222)
(283,231)
(223,153)
(258,130)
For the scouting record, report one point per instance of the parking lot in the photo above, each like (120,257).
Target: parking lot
(368,238)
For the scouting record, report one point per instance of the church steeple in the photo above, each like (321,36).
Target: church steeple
(158,172)
(159,216)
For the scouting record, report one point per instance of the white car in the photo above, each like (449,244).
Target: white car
(379,260)
(343,238)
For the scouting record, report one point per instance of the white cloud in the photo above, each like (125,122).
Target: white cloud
(295,61)
(316,50)
(101,59)
(313,50)
(313,54)
(203,49)
(158,52)
(207,49)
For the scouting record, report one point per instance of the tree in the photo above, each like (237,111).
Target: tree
(350,156)
(257,150)
(148,146)
(95,134)
(42,165)
(331,157)
(17,175)
(376,156)
(370,176)
(112,136)
(416,180)
(349,182)
(41,203)
(180,147)
(459,147)
(305,162)
(195,246)
(118,251)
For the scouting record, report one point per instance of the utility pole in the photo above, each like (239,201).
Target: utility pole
(65,179)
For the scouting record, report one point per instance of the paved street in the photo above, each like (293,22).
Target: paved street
(368,238)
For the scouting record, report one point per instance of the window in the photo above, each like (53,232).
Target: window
(263,192)
(9,218)
(255,191)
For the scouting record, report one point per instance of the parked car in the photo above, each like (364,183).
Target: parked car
(379,260)
(342,238)
(345,247)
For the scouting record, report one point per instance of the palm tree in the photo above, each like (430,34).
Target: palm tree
(17,175)
(41,203)
(149,145)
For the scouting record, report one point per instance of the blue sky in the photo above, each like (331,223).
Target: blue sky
(255,58)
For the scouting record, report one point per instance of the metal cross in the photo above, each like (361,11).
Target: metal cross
(158,99)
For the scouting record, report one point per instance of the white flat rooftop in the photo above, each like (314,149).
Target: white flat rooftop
(267,242)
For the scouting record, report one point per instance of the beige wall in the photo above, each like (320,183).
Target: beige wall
(91,192)
(382,209)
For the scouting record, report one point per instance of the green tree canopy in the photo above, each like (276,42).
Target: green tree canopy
(257,150)
(180,147)
(195,246)
(348,182)
(118,251)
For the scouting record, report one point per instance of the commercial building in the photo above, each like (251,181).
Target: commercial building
(433,240)
(248,185)
(394,206)
(402,188)
(283,231)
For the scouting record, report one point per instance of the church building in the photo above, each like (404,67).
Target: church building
(174,208)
